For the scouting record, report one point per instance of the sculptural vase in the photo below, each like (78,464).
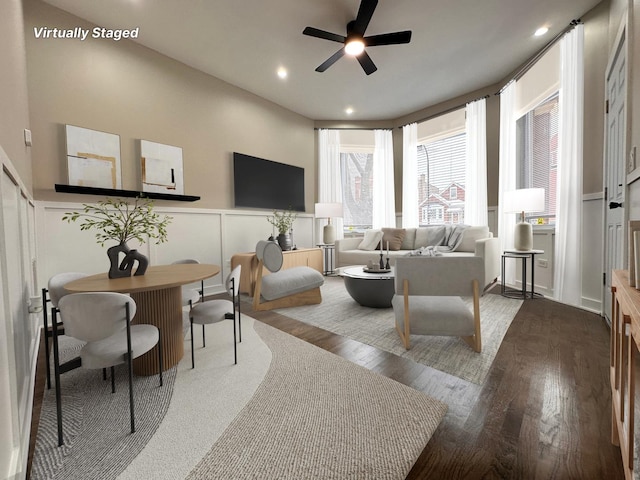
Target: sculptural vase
(124,268)
(284,240)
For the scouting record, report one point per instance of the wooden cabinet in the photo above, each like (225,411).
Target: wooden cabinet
(308,257)
(625,341)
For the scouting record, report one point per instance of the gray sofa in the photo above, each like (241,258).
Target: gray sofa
(478,241)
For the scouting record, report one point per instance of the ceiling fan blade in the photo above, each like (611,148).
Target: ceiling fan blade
(365,12)
(331,60)
(388,38)
(366,63)
(314,32)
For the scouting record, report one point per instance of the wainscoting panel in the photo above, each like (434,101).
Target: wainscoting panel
(18,328)
(195,234)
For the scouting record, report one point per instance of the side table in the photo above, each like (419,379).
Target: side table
(328,250)
(523,255)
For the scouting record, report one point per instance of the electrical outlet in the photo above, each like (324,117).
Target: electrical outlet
(543,262)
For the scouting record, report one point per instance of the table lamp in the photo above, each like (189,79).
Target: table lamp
(329,211)
(521,201)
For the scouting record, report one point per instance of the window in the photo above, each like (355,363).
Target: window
(441,179)
(357,184)
(537,155)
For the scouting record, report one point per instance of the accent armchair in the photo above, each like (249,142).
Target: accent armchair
(427,297)
(283,288)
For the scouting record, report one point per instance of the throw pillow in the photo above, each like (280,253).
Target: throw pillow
(371,240)
(391,237)
(430,236)
(469,237)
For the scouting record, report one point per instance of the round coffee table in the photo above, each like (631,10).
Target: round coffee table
(369,289)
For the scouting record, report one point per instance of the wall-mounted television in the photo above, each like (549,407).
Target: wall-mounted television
(260,183)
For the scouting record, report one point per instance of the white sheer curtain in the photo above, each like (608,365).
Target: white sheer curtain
(329,176)
(507,176)
(384,212)
(410,213)
(567,282)
(475,204)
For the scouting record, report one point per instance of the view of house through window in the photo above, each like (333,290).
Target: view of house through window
(442,169)
(357,185)
(356,172)
(537,155)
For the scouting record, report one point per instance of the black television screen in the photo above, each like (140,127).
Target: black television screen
(260,183)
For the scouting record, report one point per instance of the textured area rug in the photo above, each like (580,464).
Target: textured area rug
(339,313)
(176,424)
(328,418)
(96,429)
(288,410)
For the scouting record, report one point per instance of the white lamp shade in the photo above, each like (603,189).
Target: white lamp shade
(524,200)
(328,210)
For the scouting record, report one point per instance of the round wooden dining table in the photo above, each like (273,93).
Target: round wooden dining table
(158,297)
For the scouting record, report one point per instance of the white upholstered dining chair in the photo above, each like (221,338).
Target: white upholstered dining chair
(103,321)
(218,310)
(52,294)
(190,295)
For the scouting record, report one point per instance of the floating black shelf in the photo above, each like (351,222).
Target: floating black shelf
(112,192)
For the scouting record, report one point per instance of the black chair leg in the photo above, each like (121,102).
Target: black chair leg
(160,354)
(131,407)
(204,344)
(239,321)
(46,336)
(56,368)
(193,361)
(104,374)
(113,379)
(235,345)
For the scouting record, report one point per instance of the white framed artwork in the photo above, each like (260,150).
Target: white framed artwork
(93,158)
(161,168)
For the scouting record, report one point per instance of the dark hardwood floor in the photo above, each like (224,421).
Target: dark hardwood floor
(543,412)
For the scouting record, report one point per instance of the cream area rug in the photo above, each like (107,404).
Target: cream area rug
(339,313)
(288,410)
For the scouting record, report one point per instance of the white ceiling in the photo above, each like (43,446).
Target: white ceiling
(457,46)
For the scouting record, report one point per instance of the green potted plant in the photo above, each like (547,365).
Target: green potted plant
(120,221)
(283,221)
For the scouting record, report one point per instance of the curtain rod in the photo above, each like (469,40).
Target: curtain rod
(448,110)
(352,128)
(533,60)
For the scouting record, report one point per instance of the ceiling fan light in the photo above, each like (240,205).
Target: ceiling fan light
(354,47)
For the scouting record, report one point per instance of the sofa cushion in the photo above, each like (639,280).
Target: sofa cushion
(392,238)
(409,239)
(371,240)
(469,237)
(430,236)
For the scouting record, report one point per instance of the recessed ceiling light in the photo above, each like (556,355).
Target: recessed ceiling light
(541,31)
(282,72)
(348,110)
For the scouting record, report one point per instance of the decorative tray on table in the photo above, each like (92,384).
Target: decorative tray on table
(375,270)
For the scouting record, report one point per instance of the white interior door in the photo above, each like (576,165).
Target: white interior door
(614,169)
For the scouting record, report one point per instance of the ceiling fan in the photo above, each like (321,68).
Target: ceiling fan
(355,41)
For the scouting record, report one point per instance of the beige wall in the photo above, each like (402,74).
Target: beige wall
(126,89)
(14,105)
(596,30)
